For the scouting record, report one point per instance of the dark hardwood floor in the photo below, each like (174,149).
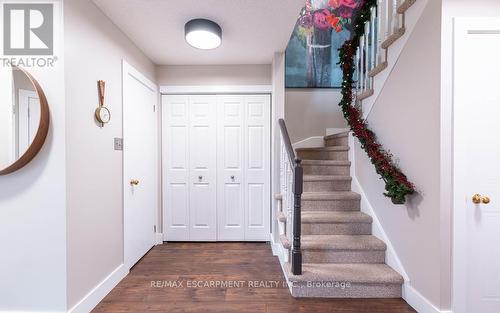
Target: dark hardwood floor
(172,278)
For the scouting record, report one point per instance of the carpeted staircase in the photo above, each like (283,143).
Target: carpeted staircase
(340,256)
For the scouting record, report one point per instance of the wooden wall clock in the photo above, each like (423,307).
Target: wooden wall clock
(102,114)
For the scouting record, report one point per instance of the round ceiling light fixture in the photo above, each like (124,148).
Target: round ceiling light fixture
(203,34)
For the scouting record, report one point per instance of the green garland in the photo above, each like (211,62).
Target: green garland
(396,184)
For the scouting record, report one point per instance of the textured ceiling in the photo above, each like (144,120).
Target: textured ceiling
(252,29)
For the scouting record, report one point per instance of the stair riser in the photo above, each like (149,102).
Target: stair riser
(323,155)
(341,256)
(355,290)
(337,229)
(337,141)
(325,186)
(331,205)
(326,170)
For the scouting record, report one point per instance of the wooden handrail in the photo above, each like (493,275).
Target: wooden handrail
(298,183)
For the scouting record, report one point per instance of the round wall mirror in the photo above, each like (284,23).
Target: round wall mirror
(24,119)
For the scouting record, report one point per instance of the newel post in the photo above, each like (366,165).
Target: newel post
(297,221)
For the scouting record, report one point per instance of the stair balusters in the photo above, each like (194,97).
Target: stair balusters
(385,22)
(291,191)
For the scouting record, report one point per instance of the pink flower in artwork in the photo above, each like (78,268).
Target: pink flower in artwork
(334,4)
(349,3)
(345,12)
(320,19)
(306,20)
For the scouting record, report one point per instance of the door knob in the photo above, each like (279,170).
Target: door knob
(232,177)
(200,177)
(477,199)
(134,182)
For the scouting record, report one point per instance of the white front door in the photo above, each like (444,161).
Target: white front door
(140,159)
(477,168)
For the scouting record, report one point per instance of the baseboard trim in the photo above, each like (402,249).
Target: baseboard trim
(419,302)
(159,238)
(92,299)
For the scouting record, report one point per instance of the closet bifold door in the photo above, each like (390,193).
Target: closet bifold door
(175,142)
(203,168)
(230,163)
(243,167)
(257,167)
(189,168)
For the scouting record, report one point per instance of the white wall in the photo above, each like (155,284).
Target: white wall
(450,10)
(309,112)
(6,117)
(406,119)
(94,50)
(33,209)
(214,75)
(278,112)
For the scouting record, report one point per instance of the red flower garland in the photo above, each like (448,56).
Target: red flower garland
(396,183)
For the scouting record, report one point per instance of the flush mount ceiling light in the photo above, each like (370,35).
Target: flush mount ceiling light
(203,34)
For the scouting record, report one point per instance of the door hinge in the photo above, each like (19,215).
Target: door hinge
(154,108)
(154,228)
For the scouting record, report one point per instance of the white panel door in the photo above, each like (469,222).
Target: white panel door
(257,167)
(140,164)
(477,147)
(176,168)
(202,168)
(230,160)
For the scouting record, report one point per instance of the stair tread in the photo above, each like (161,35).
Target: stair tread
(382,66)
(393,38)
(330,217)
(366,94)
(320,217)
(333,195)
(331,148)
(326,177)
(354,273)
(403,7)
(326,162)
(342,242)
(335,136)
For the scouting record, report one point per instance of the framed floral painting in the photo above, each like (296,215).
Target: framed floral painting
(311,58)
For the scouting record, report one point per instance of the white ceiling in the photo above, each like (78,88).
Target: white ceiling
(252,29)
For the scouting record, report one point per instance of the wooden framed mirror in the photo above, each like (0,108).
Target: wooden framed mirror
(24,119)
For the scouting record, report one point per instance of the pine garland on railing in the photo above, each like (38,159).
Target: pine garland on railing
(396,183)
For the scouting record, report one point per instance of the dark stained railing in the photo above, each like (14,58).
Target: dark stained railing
(298,182)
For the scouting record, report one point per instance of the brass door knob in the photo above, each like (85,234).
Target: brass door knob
(134,182)
(477,199)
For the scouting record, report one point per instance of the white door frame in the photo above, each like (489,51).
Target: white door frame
(129,70)
(23,96)
(221,90)
(456,152)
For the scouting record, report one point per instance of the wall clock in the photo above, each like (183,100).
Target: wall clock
(102,114)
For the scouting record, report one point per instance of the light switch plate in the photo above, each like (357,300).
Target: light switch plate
(119,144)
